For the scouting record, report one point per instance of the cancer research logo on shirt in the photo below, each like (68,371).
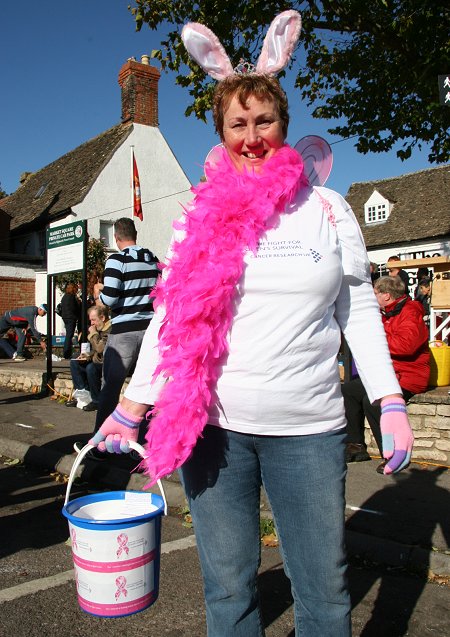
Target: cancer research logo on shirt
(315,255)
(285,249)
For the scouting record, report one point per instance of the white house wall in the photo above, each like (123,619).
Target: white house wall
(411,251)
(17,271)
(41,297)
(163,187)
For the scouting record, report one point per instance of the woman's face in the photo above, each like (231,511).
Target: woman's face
(252,135)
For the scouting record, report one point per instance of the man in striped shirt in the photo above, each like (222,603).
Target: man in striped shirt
(129,278)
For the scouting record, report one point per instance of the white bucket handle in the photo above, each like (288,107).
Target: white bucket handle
(79,459)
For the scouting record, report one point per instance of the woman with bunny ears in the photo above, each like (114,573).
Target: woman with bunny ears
(240,360)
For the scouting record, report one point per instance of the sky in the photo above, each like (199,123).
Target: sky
(59,63)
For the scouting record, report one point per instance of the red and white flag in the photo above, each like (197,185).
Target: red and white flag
(137,204)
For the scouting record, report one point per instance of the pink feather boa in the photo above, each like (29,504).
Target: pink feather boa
(231,211)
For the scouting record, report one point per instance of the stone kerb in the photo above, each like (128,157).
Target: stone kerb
(429,413)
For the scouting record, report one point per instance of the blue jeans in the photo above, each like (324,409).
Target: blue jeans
(5,325)
(87,376)
(119,358)
(7,348)
(304,478)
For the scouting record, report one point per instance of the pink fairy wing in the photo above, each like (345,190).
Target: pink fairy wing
(279,42)
(212,158)
(317,157)
(205,48)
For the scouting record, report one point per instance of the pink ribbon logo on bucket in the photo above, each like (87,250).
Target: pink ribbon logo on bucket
(73,533)
(122,540)
(121,583)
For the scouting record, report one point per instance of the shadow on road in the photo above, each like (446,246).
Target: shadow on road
(25,398)
(31,510)
(412,509)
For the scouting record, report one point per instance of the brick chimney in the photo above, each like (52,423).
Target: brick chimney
(139,84)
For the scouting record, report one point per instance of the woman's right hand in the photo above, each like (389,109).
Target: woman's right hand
(117,431)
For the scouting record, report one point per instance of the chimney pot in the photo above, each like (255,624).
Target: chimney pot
(145,59)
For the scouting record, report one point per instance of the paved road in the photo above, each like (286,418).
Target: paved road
(411,509)
(37,596)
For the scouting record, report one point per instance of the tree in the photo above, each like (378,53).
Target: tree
(96,258)
(2,192)
(372,65)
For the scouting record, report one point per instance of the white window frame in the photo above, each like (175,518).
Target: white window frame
(107,234)
(377,208)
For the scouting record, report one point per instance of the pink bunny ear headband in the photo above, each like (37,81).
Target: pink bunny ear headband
(205,48)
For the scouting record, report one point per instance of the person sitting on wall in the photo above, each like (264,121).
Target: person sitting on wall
(422,273)
(8,344)
(23,319)
(398,272)
(87,369)
(374,271)
(407,337)
(424,297)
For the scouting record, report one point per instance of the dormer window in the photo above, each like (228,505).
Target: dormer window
(377,208)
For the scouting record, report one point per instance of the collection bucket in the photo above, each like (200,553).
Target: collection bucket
(439,364)
(116,546)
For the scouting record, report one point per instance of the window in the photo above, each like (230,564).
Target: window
(107,233)
(376,208)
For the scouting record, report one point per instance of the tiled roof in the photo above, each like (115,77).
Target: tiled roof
(2,206)
(421,207)
(65,182)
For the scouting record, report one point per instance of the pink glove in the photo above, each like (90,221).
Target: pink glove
(397,437)
(117,431)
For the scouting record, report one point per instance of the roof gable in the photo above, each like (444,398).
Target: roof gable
(420,207)
(65,182)
(375,197)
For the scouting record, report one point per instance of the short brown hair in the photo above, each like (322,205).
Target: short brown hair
(125,230)
(263,87)
(392,285)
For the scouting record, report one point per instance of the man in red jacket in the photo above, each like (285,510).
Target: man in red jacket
(407,337)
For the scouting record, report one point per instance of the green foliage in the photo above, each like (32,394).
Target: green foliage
(372,65)
(96,258)
(267,527)
(2,192)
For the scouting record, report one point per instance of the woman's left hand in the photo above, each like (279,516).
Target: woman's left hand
(397,436)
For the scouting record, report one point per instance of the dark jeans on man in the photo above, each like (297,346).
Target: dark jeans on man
(7,348)
(70,325)
(357,407)
(5,325)
(119,359)
(87,375)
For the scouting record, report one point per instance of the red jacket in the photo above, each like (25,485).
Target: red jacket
(407,337)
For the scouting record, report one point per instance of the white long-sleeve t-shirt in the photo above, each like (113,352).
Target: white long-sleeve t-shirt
(308,281)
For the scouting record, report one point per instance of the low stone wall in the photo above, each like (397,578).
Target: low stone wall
(63,385)
(429,413)
(22,380)
(429,416)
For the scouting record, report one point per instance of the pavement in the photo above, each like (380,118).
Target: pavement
(402,521)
